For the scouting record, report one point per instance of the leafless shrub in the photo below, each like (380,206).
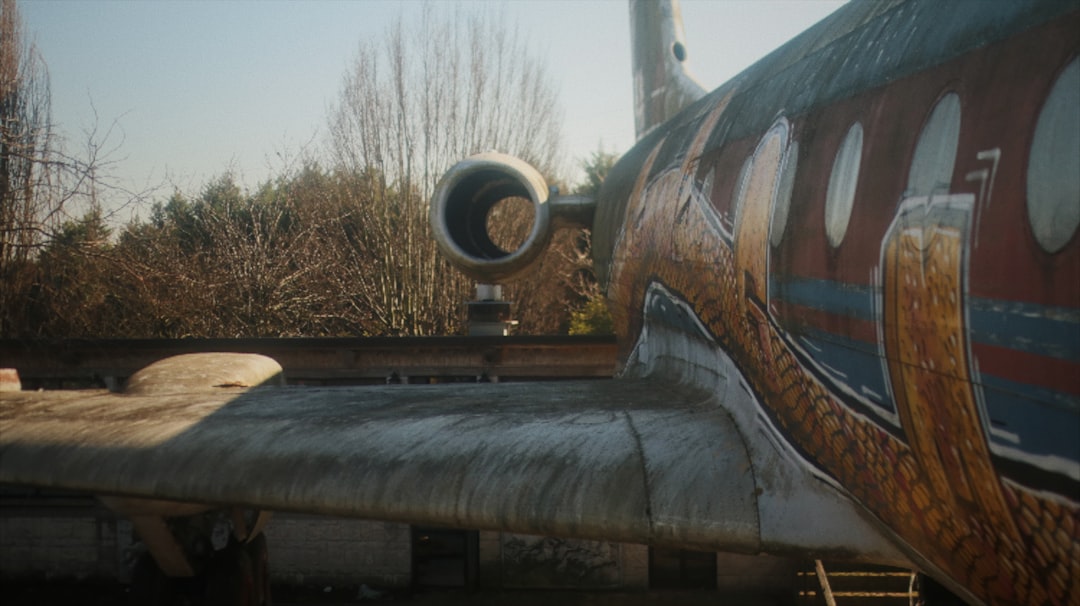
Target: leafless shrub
(428,96)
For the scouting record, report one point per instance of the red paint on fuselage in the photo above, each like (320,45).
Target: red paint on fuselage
(934,473)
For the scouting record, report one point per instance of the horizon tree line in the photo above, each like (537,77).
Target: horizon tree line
(339,246)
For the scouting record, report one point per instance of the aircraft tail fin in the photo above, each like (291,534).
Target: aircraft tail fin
(663,85)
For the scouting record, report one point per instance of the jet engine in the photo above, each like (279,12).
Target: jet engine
(468,193)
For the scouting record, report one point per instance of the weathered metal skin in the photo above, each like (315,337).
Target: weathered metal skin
(634,461)
(568,459)
(191,373)
(849,230)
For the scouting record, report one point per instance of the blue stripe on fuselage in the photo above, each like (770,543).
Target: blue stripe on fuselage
(853,363)
(1025,327)
(1047,331)
(840,298)
(1032,420)
(1029,327)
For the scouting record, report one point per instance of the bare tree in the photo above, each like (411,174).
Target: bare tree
(428,96)
(338,251)
(25,133)
(39,180)
(233,264)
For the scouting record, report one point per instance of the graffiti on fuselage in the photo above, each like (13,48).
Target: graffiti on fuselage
(845,261)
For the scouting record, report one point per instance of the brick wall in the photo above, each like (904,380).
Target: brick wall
(71,542)
(87,541)
(317,549)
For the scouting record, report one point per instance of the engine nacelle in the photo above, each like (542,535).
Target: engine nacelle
(466,195)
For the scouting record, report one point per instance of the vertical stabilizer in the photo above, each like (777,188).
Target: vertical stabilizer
(663,85)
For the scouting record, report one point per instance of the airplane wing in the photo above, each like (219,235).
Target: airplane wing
(636,461)
(621,460)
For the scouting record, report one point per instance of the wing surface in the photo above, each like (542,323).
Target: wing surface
(630,461)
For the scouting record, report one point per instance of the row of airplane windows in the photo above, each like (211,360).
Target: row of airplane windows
(1053,176)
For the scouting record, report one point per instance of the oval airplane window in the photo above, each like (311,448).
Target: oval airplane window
(1053,181)
(842,181)
(935,153)
(782,202)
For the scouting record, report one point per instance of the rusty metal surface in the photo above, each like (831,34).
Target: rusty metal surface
(325,360)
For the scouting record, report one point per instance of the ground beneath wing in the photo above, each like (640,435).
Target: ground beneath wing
(631,461)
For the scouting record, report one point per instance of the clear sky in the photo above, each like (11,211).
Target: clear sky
(196,88)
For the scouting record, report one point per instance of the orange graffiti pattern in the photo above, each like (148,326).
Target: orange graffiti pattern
(937,488)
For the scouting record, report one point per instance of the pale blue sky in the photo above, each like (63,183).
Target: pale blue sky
(198,88)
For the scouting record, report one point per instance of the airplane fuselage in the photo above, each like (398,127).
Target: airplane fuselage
(877,225)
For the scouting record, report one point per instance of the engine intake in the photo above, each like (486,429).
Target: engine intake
(466,195)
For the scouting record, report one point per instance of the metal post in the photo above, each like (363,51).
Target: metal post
(489,315)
